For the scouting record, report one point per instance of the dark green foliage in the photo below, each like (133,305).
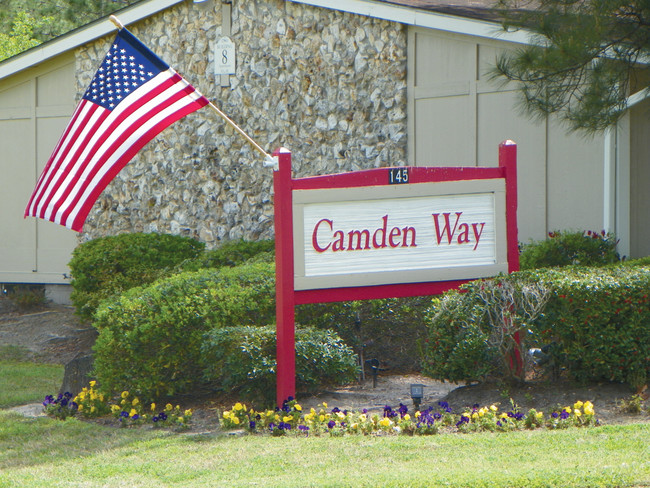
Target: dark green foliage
(584,63)
(242,360)
(150,338)
(231,253)
(457,348)
(596,320)
(480,331)
(107,266)
(564,248)
(599,318)
(387,330)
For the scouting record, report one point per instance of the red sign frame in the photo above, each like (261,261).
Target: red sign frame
(286,295)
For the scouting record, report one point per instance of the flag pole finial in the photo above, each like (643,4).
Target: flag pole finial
(116,21)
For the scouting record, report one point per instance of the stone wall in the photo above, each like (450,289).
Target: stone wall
(328,85)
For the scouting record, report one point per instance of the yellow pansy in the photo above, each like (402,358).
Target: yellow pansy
(115,408)
(493,408)
(238,406)
(169,407)
(475,415)
(93,383)
(577,412)
(235,420)
(363,417)
(321,417)
(133,412)
(287,418)
(324,405)
(407,417)
(80,408)
(125,394)
(135,401)
(539,415)
(188,412)
(153,407)
(577,404)
(298,407)
(385,422)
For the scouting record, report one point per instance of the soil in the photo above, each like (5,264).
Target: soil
(53,334)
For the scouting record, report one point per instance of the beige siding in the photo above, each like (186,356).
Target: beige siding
(34,109)
(458,116)
(640,181)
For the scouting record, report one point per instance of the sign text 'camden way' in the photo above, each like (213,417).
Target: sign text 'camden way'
(447,230)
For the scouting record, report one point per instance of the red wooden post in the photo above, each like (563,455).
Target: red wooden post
(508,161)
(284,286)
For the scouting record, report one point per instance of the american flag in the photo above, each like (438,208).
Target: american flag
(133,96)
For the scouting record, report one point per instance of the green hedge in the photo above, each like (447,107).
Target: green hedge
(597,319)
(150,338)
(388,330)
(565,248)
(243,360)
(107,266)
(231,253)
(600,320)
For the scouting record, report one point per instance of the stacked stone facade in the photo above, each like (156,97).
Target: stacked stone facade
(330,86)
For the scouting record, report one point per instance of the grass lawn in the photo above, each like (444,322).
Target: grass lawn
(38,452)
(23,382)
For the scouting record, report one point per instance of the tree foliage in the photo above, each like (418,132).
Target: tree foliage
(27,23)
(587,58)
(21,36)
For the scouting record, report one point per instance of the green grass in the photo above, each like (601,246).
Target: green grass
(23,382)
(37,452)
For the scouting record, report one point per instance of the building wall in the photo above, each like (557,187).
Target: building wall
(35,107)
(639,180)
(329,86)
(458,116)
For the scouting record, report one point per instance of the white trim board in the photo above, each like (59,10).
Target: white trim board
(422,18)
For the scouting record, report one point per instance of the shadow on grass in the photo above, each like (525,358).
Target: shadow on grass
(28,442)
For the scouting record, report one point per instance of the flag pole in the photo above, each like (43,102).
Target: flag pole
(268,159)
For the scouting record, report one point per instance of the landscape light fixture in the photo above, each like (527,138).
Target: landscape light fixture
(417,393)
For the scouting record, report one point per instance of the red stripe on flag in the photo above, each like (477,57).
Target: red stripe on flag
(103,133)
(77,224)
(119,143)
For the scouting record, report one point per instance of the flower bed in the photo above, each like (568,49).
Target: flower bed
(290,419)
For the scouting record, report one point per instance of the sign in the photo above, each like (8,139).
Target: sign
(385,235)
(224,61)
(387,232)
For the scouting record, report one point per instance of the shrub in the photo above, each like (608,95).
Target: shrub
(598,320)
(149,338)
(230,254)
(595,322)
(387,329)
(107,266)
(570,248)
(482,330)
(243,359)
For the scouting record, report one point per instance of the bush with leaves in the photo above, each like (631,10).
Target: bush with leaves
(231,253)
(107,266)
(387,329)
(482,330)
(597,319)
(150,338)
(565,248)
(243,360)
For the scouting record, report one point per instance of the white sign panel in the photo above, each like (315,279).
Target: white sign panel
(225,57)
(405,234)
